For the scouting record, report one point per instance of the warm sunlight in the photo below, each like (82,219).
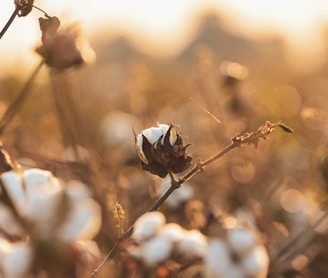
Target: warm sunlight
(164,27)
(163,138)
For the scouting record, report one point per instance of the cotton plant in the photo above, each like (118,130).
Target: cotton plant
(236,252)
(45,215)
(151,244)
(162,241)
(239,254)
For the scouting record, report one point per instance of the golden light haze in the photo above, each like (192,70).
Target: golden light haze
(164,27)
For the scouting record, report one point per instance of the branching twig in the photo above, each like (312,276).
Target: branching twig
(237,141)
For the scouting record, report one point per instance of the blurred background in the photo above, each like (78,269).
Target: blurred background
(193,63)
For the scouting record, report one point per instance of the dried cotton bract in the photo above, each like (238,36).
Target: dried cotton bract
(64,48)
(161,150)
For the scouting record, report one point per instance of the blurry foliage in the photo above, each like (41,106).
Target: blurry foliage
(129,90)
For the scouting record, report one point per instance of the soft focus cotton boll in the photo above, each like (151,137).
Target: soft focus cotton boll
(36,194)
(241,240)
(157,250)
(256,262)
(15,259)
(191,247)
(179,196)
(238,255)
(9,224)
(147,225)
(84,216)
(172,231)
(116,127)
(217,260)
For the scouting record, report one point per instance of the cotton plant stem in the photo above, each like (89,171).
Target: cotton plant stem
(237,141)
(174,185)
(14,107)
(10,21)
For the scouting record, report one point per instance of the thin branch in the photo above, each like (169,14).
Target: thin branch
(237,141)
(10,21)
(14,106)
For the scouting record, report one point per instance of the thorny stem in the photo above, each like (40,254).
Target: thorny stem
(10,21)
(237,141)
(14,106)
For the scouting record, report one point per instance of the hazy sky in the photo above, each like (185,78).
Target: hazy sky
(168,23)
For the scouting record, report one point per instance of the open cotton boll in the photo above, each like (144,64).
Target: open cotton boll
(161,150)
(217,260)
(156,251)
(241,240)
(83,219)
(36,194)
(147,225)
(154,133)
(172,231)
(15,259)
(192,246)
(255,264)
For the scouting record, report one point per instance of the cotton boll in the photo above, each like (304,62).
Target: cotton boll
(179,196)
(172,232)
(82,221)
(241,240)
(116,127)
(217,260)
(255,264)
(147,225)
(88,253)
(36,194)
(9,224)
(15,259)
(156,251)
(161,150)
(152,135)
(192,246)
